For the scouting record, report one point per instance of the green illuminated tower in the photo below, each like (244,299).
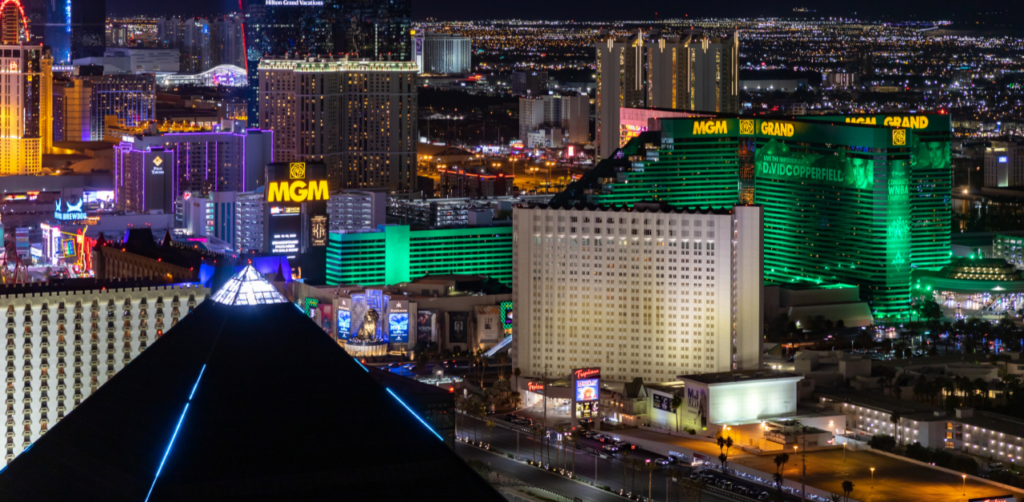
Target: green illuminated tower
(855,200)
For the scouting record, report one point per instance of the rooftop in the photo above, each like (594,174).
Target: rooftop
(739,376)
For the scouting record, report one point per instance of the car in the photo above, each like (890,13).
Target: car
(724,484)
(763,496)
(695,476)
(740,489)
(610,448)
(661,461)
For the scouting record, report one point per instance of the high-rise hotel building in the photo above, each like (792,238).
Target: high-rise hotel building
(358,117)
(26,81)
(855,200)
(651,291)
(693,72)
(64,342)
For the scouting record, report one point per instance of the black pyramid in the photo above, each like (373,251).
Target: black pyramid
(244,399)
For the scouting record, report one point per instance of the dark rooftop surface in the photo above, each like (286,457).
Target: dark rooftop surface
(739,376)
(249,403)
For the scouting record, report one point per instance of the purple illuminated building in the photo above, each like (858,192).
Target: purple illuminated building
(150,172)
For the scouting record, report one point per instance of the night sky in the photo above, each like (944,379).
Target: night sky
(603,10)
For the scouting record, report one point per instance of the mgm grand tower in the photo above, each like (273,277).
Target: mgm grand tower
(854,200)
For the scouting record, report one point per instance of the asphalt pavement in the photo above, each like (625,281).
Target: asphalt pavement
(611,470)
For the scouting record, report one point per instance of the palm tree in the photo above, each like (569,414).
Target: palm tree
(650,466)
(535,430)
(723,447)
(676,403)
(516,372)
(982,388)
(835,498)
(490,428)
(573,441)
(847,488)
(632,481)
(895,419)
(625,464)
(780,467)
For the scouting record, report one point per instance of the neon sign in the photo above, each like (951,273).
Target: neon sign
(711,127)
(777,129)
(534,386)
(71,212)
(587,373)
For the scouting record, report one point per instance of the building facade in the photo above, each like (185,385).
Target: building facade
(888,171)
(442,53)
(692,72)
(25,132)
(357,117)
(130,98)
(150,172)
(530,83)
(570,113)
(1004,163)
(75,29)
(650,292)
(396,254)
(74,325)
(356,211)
(71,118)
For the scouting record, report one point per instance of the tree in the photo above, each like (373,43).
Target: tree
(847,489)
(724,444)
(516,372)
(780,467)
(895,419)
(515,400)
(625,465)
(490,429)
(676,403)
(882,442)
(930,309)
(981,386)
(650,466)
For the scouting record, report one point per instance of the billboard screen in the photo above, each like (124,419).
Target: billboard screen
(398,327)
(663,403)
(458,327)
(587,390)
(506,317)
(424,326)
(344,324)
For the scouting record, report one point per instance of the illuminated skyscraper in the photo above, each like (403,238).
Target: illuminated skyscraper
(651,291)
(26,70)
(75,28)
(692,72)
(130,98)
(358,117)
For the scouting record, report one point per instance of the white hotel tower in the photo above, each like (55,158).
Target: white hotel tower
(650,291)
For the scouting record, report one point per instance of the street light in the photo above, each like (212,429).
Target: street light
(872,478)
(965,484)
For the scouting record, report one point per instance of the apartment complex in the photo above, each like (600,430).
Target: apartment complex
(91,332)
(651,291)
(358,117)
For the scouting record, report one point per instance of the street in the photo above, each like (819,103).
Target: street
(611,471)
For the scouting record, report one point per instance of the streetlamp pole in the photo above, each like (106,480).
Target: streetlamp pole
(595,470)
(844,451)
(873,478)
(803,476)
(965,484)
(517,444)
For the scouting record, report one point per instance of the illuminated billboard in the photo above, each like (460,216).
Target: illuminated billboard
(587,390)
(398,327)
(344,324)
(425,326)
(663,403)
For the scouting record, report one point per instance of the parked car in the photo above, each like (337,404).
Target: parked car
(611,448)
(661,461)
(763,496)
(740,489)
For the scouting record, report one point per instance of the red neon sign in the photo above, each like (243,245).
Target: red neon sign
(534,386)
(587,373)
